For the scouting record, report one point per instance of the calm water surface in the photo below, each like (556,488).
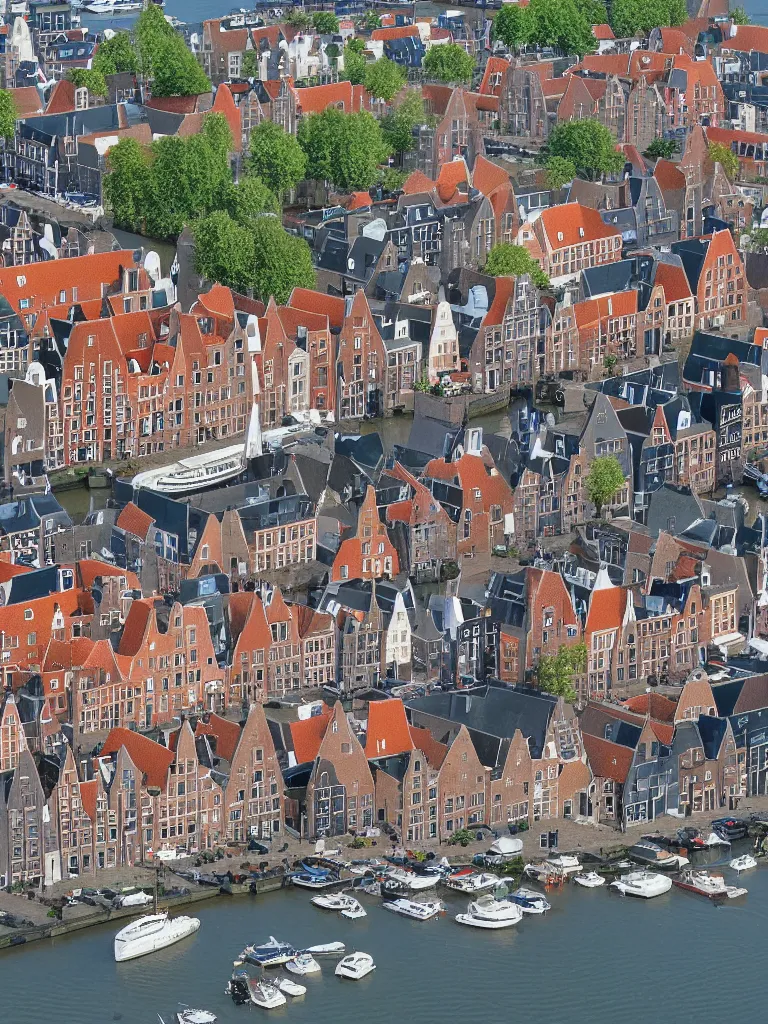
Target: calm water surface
(597,958)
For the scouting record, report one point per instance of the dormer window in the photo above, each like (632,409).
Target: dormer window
(559,236)
(81,99)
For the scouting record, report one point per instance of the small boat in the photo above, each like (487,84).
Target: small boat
(334,901)
(326,949)
(304,880)
(238,988)
(656,857)
(264,994)
(303,963)
(529,901)
(694,838)
(355,966)
(271,953)
(712,886)
(150,933)
(590,880)
(411,908)
(565,863)
(743,863)
(190,1016)
(488,912)
(413,881)
(730,828)
(291,987)
(354,912)
(645,884)
(471,882)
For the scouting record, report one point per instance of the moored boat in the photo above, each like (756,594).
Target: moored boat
(654,856)
(291,987)
(411,880)
(265,994)
(730,829)
(271,953)
(150,933)
(743,863)
(471,882)
(565,863)
(529,901)
(589,880)
(704,884)
(644,884)
(355,966)
(488,912)
(334,901)
(411,908)
(302,963)
(192,1016)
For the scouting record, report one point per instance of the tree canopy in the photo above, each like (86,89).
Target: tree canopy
(724,156)
(604,479)
(325,23)
(505,258)
(661,149)
(739,16)
(384,79)
(510,26)
(249,199)
(90,79)
(8,114)
(354,64)
(630,17)
(276,157)
(164,57)
(448,62)
(299,19)
(588,145)
(559,23)
(397,125)
(554,672)
(560,171)
(345,149)
(116,55)
(250,65)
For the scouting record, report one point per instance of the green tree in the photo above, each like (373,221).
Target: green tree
(224,251)
(677,11)
(343,148)
(661,149)
(299,20)
(250,65)
(281,261)
(604,479)
(559,171)
(392,180)
(397,125)
(384,79)
(249,199)
(87,78)
(448,62)
(8,114)
(369,21)
(150,34)
(554,672)
(276,157)
(633,17)
(758,240)
(354,64)
(325,23)
(510,26)
(177,72)
(561,24)
(724,156)
(594,11)
(116,55)
(505,258)
(588,145)
(128,186)
(739,16)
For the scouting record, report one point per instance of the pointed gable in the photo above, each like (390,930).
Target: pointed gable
(387,731)
(307,735)
(369,554)
(224,103)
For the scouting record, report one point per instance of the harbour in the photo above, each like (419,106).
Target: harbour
(583,952)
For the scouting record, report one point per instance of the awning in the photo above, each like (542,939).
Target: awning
(729,640)
(761,646)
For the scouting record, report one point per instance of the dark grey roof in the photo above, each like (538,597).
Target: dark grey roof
(672,509)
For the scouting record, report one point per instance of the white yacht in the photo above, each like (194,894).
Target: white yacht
(589,880)
(711,886)
(743,863)
(413,881)
(192,1016)
(291,987)
(488,912)
(529,901)
(355,966)
(266,995)
(471,882)
(338,901)
(645,884)
(303,963)
(410,908)
(150,933)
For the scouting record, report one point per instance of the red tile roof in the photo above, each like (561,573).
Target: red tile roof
(606,609)
(316,302)
(135,521)
(88,793)
(608,760)
(472,474)
(153,759)
(576,223)
(224,103)
(387,732)
(487,176)
(135,627)
(219,301)
(398,32)
(27,100)
(655,704)
(316,98)
(669,176)
(748,37)
(494,66)
(35,282)
(227,734)
(62,97)
(505,287)
(416,182)
(602,32)
(452,174)
(433,750)
(592,311)
(358,201)
(674,282)
(307,735)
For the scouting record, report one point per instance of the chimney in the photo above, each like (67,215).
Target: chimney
(729,373)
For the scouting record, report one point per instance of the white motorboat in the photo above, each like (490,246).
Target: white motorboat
(712,886)
(303,963)
(266,995)
(488,912)
(413,881)
(133,899)
(114,7)
(355,966)
(656,857)
(410,908)
(471,882)
(354,912)
(190,1016)
(291,987)
(590,880)
(335,901)
(529,901)
(326,949)
(743,863)
(645,884)
(150,933)
(565,863)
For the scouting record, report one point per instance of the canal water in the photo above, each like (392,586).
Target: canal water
(596,958)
